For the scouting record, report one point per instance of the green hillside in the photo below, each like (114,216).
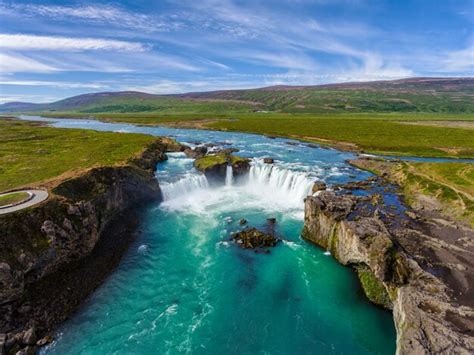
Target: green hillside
(449,95)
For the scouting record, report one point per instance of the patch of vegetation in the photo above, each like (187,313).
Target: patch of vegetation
(217,159)
(210,160)
(450,184)
(31,153)
(371,135)
(373,288)
(14,197)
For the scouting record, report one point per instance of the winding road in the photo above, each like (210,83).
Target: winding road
(38,196)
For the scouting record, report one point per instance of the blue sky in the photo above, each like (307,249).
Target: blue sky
(52,50)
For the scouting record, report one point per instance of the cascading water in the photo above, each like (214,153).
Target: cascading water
(185,185)
(278,183)
(229,176)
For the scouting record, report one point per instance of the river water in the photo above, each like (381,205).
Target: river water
(183,287)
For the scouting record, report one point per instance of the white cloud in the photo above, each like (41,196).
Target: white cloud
(28,98)
(31,42)
(98,14)
(459,61)
(15,63)
(57,84)
(281,60)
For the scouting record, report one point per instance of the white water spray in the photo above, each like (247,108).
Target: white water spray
(229,176)
(186,185)
(268,187)
(282,184)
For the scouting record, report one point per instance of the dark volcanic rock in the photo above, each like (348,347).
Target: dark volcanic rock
(356,185)
(268,160)
(319,186)
(226,151)
(243,221)
(29,338)
(253,239)
(196,153)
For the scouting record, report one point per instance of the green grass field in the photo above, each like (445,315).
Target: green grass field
(13,198)
(373,135)
(379,133)
(31,153)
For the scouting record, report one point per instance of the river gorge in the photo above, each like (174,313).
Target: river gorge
(183,286)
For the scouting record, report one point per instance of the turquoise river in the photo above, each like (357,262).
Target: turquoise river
(183,287)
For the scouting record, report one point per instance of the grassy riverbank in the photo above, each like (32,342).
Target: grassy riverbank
(444,187)
(32,154)
(372,135)
(409,134)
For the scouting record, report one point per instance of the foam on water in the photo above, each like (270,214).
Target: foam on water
(186,185)
(279,186)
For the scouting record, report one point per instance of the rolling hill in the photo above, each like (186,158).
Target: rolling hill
(437,95)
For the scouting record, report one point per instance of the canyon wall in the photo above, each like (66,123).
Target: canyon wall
(427,317)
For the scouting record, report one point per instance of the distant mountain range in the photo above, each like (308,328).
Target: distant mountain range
(450,95)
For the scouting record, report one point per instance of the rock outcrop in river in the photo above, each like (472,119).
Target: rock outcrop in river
(398,264)
(54,255)
(252,238)
(214,166)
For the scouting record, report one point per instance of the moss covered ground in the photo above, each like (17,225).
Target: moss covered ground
(216,159)
(373,288)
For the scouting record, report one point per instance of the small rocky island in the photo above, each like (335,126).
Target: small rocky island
(252,238)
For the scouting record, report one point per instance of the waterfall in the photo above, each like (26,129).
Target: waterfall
(270,184)
(278,184)
(184,186)
(229,176)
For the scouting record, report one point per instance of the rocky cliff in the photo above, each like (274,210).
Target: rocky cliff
(429,314)
(54,255)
